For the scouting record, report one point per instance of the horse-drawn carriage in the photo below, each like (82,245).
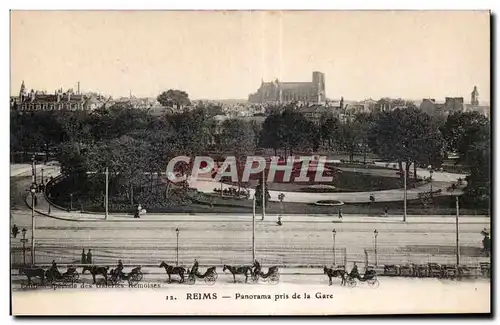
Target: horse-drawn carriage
(391,270)
(370,278)
(210,276)
(70,276)
(272,276)
(133,277)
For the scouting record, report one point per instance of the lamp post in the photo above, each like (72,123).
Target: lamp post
(33,170)
(334,233)
(71,201)
(42,175)
(430,175)
(253,228)
(33,191)
(456,231)
(177,250)
(24,240)
(375,233)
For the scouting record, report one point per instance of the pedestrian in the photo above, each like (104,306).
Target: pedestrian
(385,211)
(340,213)
(89,257)
(15,231)
(84,257)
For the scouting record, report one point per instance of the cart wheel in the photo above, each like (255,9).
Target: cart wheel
(373,283)
(190,280)
(76,276)
(274,279)
(215,275)
(351,283)
(255,278)
(210,279)
(134,279)
(139,275)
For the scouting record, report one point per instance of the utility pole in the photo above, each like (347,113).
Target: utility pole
(263,194)
(33,177)
(253,230)
(456,228)
(177,249)
(405,195)
(106,197)
(33,191)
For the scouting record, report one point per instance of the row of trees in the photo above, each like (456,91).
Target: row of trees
(136,146)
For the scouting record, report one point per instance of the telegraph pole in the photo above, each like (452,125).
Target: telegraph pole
(456,230)
(106,197)
(405,195)
(253,230)
(263,194)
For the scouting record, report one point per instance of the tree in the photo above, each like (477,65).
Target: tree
(478,157)
(329,129)
(469,135)
(463,130)
(348,138)
(406,136)
(174,98)
(238,138)
(271,135)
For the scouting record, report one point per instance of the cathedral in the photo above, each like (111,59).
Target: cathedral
(283,92)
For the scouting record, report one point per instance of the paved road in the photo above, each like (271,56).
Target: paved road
(230,242)
(307,241)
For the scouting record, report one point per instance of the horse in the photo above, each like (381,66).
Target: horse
(170,269)
(331,273)
(96,270)
(238,270)
(32,273)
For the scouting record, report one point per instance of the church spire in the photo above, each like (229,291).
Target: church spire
(22,91)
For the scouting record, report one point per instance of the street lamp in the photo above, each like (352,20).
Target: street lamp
(177,255)
(33,170)
(430,177)
(71,201)
(33,191)
(334,233)
(24,240)
(375,246)
(42,175)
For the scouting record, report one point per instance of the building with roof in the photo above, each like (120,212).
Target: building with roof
(284,92)
(41,101)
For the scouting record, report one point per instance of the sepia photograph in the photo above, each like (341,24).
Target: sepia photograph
(250,162)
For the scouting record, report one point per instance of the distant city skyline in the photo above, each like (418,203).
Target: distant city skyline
(225,55)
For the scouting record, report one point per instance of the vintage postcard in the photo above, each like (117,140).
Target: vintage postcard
(250,162)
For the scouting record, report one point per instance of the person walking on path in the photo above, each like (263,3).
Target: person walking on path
(386,209)
(84,257)
(340,213)
(15,231)
(89,257)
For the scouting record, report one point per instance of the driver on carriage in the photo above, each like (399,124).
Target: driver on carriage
(194,269)
(119,268)
(256,266)
(53,269)
(354,272)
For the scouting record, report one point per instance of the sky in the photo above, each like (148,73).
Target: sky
(226,54)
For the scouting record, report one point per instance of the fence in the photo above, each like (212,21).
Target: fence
(20,256)
(387,256)
(154,255)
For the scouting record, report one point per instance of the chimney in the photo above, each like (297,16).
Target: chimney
(78,88)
